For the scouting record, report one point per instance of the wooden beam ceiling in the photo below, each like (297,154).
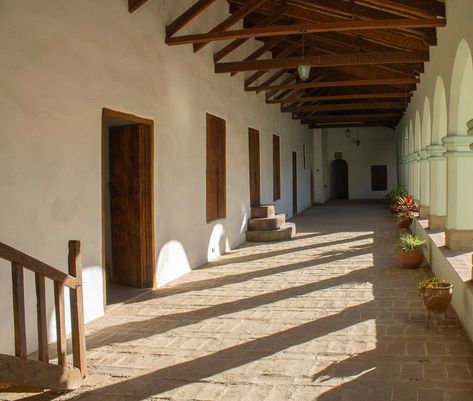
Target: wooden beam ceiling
(326,60)
(133,5)
(366,54)
(279,30)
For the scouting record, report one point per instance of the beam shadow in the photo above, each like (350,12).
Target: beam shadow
(158,325)
(172,377)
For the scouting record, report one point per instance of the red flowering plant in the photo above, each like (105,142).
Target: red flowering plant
(405,206)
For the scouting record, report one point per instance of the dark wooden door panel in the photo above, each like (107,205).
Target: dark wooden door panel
(130,205)
(379,178)
(294,182)
(276,168)
(254,158)
(216,168)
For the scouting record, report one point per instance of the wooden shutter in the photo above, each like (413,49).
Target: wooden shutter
(276,168)
(216,168)
(379,178)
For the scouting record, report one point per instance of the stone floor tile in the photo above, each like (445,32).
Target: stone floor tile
(328,316)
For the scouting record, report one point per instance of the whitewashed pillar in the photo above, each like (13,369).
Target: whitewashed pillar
(416,176)
(424,198)
(438,187)
(459,225)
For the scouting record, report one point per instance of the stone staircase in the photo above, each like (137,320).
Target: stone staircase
(266,226)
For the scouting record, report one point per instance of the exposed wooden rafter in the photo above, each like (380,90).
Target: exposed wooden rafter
(133,5)
(250,6)
(187,16)
(366,54)
(326,60)
(279,30)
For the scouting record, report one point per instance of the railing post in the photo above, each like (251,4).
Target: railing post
(77,309)
(19,310)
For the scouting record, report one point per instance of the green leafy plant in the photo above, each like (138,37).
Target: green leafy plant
(397,192)
(432,282)
(409,242)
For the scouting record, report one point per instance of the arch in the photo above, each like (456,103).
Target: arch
(461,101)
(426,125)
(339,179)
(417,133)
(440,116)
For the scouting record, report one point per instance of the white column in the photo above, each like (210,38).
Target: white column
(416,176)
(424,209)
(410,175)
(438,187)
(459,226)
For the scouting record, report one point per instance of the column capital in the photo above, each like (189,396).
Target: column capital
(415,157)
(458,145)
(436,152)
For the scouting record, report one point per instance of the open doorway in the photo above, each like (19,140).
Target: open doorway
(127,205)
(339,179)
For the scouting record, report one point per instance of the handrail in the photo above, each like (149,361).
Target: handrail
(73,280)
(15,256)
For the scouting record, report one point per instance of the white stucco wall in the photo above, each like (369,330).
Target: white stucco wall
(377,147)
(61,62)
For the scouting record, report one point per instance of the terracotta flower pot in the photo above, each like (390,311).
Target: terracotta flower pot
(411,259)
(437,299)
(404,222)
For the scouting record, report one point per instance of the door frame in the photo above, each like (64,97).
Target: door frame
(132,119)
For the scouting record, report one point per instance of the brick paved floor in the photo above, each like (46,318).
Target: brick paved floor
(327,316)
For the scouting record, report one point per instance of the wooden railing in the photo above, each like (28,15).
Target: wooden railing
(20,371)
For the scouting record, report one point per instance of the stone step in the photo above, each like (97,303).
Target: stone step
(263,211)
(285,232)
(267,223)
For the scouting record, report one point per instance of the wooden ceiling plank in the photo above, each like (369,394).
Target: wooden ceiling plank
(344,83)
(351,9)
(395,38)
(225,51)
(327,60)
(328,98)
(187,16)
(356,117)
(346,106)
(420,8)
(133,5)
(248,8)
(388,124)
(278,30)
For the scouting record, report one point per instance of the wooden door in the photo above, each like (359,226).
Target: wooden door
(254,156)
(216,168)
(131,205)
(294,182)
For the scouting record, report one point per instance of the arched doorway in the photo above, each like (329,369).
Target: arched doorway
(339,179)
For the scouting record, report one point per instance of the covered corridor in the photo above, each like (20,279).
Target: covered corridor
(327,316)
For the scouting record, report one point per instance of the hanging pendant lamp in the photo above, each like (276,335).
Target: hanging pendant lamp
(303,69)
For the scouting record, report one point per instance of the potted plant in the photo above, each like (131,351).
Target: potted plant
(404,209)
(436,294)
(404,219)
(397,192)
(410,253)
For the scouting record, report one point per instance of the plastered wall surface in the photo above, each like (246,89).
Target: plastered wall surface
(377,147)
(60,64)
